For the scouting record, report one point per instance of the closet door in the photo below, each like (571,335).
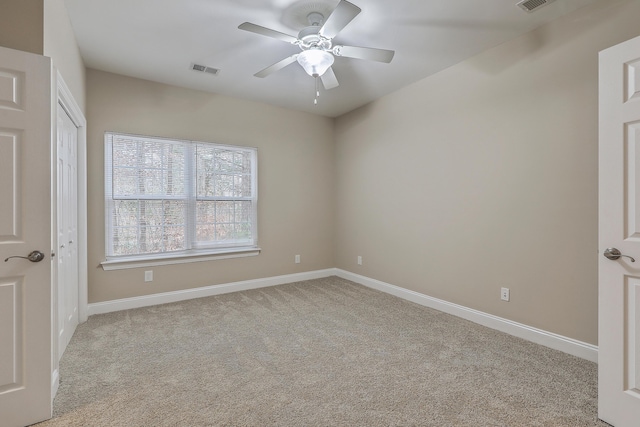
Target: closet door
(67,217)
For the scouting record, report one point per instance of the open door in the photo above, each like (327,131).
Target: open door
(25,235)
(619,239)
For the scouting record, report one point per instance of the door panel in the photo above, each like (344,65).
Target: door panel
(10,213)
(619,227)
(25,225)
(632,179)
(11,331)
(632,335)
(11,89)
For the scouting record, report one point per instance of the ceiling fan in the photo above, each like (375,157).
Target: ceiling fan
(316,43)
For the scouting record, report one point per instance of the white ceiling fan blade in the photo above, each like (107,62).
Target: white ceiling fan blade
(369,53)
(339,18)
(277,66)
(329,79)
(263,31)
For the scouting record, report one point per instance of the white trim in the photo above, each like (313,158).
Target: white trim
(67,100)
(123,263)
(168,297)
(55,382)
(538,336)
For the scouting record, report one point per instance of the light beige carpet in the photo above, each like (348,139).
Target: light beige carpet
(324,352)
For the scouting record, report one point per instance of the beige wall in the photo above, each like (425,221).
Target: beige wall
(485,176)
(60,44)
(21,24)
(43,27)
(295,179)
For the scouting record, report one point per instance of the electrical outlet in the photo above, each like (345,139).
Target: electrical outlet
(359,260)
(504,294)
(297,259)
(148,276)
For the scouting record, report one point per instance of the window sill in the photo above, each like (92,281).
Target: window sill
(155,260)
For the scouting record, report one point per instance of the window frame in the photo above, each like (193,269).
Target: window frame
(195,250)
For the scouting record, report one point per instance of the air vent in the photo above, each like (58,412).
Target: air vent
(205,69)
(531,5)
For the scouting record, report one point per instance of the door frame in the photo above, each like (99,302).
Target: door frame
(61,95)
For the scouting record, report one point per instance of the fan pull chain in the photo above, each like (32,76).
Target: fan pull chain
(315,101)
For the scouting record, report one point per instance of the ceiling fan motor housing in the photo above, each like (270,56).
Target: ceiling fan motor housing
(310,39)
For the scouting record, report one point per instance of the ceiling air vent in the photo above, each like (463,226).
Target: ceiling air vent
(205,69)
(531,5)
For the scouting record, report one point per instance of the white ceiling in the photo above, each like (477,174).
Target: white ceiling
(158,40)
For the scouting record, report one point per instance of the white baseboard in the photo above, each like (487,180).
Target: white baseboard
(55,383)
(167,297)
(538,336)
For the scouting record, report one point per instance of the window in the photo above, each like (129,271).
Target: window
(171,198)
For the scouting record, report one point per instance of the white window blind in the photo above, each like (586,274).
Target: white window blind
(168,196)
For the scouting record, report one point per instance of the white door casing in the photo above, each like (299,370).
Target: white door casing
(619,227)
(25,226)
(63,98)
(67,227)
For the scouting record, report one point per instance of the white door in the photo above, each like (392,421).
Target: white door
(25,226)
(619,229)
(67,229)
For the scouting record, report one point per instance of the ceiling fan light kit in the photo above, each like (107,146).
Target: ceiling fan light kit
(315,61)
(316,42)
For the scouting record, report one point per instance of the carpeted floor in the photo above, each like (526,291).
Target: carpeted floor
(324,352)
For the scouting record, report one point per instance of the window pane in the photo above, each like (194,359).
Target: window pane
(223,186)
(205,221)
(153,168)
(224,221)
(124,157)
(224,161)
(173,239)
(224,211)
(125,240)
(148,226)
(150,240)
(243,160)
(174,212)
(243,231)
(242,185)
(125,213)
(125,181)
(205,174)
(223,173)
(243,211)
(224,232)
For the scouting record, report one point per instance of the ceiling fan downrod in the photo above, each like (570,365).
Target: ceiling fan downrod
(315,19)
